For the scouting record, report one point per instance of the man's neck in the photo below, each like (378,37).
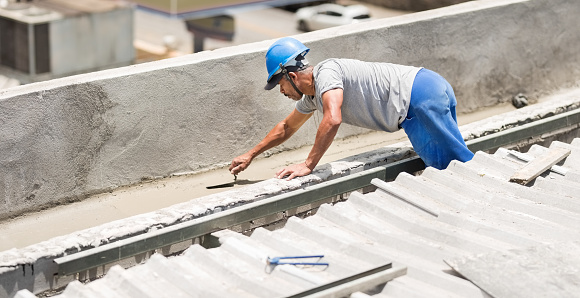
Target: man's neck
(310,87)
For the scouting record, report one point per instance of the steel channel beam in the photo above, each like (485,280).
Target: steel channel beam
(147,242)
(536,128)
(350,284)
(362,284)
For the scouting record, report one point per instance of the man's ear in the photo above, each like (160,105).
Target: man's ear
(293,75)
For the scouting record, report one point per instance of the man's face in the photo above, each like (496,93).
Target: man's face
(287,89)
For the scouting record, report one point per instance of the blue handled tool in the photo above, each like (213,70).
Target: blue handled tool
(276,260)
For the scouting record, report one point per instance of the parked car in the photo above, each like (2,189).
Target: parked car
(330,15)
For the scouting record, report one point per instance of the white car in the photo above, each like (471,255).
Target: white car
(330,15)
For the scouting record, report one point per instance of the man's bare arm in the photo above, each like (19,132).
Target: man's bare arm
(278,135)
(331,120)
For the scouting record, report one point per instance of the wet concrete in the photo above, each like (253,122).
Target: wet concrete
(149,196)
(157,115)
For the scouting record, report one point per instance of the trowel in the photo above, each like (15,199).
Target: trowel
(223,185)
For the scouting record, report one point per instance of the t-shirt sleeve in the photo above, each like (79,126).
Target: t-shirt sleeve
(328,77)
(306,105)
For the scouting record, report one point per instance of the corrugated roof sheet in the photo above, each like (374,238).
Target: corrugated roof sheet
(509,240)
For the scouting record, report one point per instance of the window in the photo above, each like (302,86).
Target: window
(333,14)
(362,16)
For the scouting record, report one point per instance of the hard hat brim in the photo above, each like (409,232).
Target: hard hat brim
(273,81)
(277,77)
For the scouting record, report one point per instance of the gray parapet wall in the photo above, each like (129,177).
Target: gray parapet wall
(32,267)
(65,139)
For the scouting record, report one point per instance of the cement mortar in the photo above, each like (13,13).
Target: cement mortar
(16,264)
(65,139)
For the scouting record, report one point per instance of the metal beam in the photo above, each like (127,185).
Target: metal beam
(125,248)
(345,286)
(526,131)
(147,242)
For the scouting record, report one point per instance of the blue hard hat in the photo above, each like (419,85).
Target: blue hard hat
(284,52)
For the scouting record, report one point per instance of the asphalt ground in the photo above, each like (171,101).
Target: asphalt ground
(155,31)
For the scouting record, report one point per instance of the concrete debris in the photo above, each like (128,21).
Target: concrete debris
(520,101)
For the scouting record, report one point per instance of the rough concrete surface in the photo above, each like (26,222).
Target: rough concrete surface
(16,264)
(534,271)
(65,139)
(161,193)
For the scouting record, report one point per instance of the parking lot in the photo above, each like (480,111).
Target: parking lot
(154,31)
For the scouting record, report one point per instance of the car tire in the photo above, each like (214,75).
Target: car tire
(302,26)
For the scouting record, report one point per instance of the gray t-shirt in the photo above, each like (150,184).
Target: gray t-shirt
(375,95)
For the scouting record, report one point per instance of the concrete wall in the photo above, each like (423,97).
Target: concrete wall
(33,268)
(64,139)
(92,41)
(80,39)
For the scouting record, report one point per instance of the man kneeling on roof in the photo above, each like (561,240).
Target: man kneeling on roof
(378,96)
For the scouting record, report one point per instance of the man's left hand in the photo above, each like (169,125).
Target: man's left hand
(297,170)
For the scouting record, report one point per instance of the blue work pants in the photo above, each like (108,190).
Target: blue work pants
(431,122)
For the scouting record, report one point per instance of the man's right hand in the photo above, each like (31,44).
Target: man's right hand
(240,163)
(278,135)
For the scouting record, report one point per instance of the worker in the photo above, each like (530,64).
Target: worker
(378,96)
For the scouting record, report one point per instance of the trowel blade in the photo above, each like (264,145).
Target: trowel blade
(220,185)
(223,185)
